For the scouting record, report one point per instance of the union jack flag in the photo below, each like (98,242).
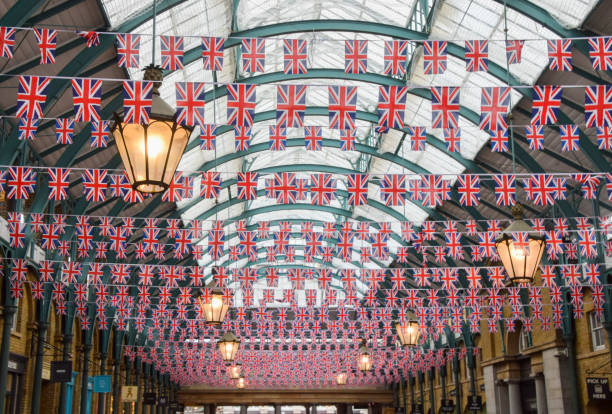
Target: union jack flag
(290,105)
(505,192)
(278,138)
(247,185)
(560,54)
(434,190)
(499,140)
(59,181)
(434,57)
(418,138)
(570,138)
(208,137)
(342,107)
(128,48)
(216,240)
(322,189)
(587,243)
(600,52)
(94,184)
(355,56)
(253,55)
(452,138)
(395,57)
(468,187)
(210,186)
(190,103)
(86,97)
(357,188)
(543,189)
(535,137)
(99,134)
(7,41)
(20,182)
(31,95)
(64,130)
(494,104)
(120,187)
(604,138)
(242,138)
(171,52)
(296,53)
(241,100)
(137,101)
(514,51)
(393,189)
(598,106)
(391,106)
(284,188)
(445,107)
(46,39)
(212,52)
(27,128)
(92,38)
(347,139)
(313,138)
(546,104)
(477,55)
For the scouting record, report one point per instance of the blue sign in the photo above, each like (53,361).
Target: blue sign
(102,383)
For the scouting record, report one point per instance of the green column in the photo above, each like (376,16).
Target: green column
(569,336)
(127,382)
(116,368)
(85,374)
(137,369)
(66,357)
(41,333)
(457,384)
(432,393)
(102,396)
(421,392)
(9,313)
(443,380)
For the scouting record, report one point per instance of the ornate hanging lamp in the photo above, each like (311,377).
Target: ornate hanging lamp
(364,362)
(235,371)
(341,378)
(213,306)
(228,346)
(408,332)
(521,263)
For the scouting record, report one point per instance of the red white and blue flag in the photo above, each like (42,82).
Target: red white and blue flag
(452,138)
(543,189)
(284,188)
(212,52)
(59,181)
(560,54)
(600,52)
(535,137)
(246,183)
(445,107)
(47,41)
(253,55)
(99,134)
(505,189)
(137,101)
(295,56)
(92,38)
(322,189)
(313,138)
(241,100)
(86,97)
(171,52)
(494,103)
(395,56)
(290,105)
(7,41)
(27,128)
(355,56)
(278,138)
(391,106)
(190,102)
(208,137)
(31,95)
(95,184)
(347,139)
(434,57)
(468,187)
(514,51)
(20,182)
(357,188)
(210,185)
(499,140)
(546,104)
(342,107)
(598,106)
(64,130)
(242,138)
(604,138)
(393,189)
(418,138)
(476,55)
(570,138)
(128,50)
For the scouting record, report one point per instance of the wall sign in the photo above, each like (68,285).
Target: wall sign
(474,403)
(129,393)
(448,406)
(598,388)
(149,398)
(61,371)
(17,363)
(102,383)
(162,400)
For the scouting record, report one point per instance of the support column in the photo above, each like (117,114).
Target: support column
(540,393)
(443,382)
(514,396)
(85,376)
(66,356)
(572,371)
(432,392)
(411,381)
(501,392)
(137,368)
(40,350)
(488,373)
(116,392)
(421,391)
(102,396)
(127,382)
(458,395)
(9,314)
(243,409)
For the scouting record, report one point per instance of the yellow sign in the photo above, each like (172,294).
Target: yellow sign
(129,393)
